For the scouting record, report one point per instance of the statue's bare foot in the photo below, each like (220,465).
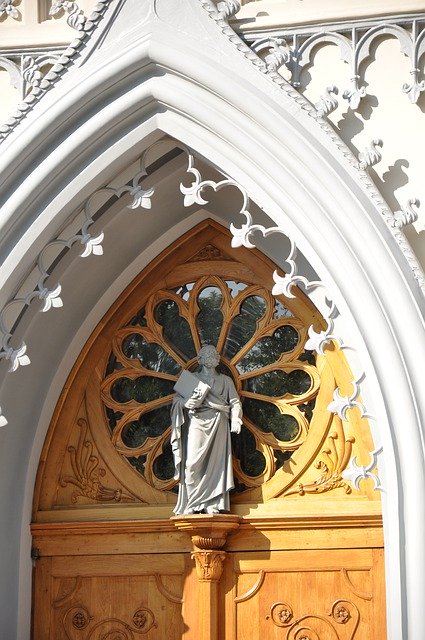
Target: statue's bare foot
(212,510)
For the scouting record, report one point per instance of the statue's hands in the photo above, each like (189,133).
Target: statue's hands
(235,427)
(192,403)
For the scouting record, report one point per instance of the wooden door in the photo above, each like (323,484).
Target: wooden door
(299,558)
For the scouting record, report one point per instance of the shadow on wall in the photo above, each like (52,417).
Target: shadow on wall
(351,125)
(391,180)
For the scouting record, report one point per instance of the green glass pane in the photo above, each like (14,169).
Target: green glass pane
(139,319)
(277,383)
(175,328)
(253,463)
(163,466)
(151,355)
(243,327)
(268,418)
(269,349)
(143,389)
(210,317)
(149,425)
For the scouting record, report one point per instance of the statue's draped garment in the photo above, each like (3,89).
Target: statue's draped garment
(200,440)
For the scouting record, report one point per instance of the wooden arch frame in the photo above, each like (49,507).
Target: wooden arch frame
(80,466)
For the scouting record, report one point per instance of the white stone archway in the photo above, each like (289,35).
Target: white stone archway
(179,74)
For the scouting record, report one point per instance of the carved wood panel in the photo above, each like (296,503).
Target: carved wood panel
(308,595)
(109,598)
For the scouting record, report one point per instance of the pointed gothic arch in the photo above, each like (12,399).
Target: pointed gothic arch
(290,168)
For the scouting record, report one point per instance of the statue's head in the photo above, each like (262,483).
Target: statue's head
(208,356)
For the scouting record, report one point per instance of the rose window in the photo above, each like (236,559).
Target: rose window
(262,349)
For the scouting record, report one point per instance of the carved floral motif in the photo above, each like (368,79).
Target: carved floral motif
(209,565)
(76,18)
(335,459)
(310,626)
(7,9)
(79,618)
(87,473)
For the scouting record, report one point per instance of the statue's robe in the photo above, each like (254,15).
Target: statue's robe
(200,440)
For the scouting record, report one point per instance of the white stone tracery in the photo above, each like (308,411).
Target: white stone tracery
(354,40)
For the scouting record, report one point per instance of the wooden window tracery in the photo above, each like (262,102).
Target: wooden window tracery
(262,347)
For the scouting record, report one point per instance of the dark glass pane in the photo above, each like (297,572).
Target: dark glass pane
(113,365)
(268,418)
(176,328)
(308,356)
(268,349)
(307,409)
(298,382)
(139,319)
(151,355)
(151,424)
(252,461)
(113,417)
(143,389)
(281,457)
(210,318)
(277,383)
(138,463)
(163,466)
(243,327)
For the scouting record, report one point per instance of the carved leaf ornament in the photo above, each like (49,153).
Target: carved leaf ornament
(263,349)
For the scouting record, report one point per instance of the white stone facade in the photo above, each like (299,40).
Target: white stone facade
(138,71)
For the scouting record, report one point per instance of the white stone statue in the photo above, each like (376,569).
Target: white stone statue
(203,415)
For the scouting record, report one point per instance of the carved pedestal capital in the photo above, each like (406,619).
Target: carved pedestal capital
(207,531)
(209,534)
(209,565)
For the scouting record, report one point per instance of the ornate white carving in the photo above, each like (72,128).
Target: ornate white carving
(355,473)
(326,104)
(370,155)
(341,404)
(31,72)
(251,54)
(76,18)
(6,7)
(228,8)
(354,40)
(242,237)
(280,54)
(59,68)
(355,93)
(141,198)
(407,215)
(92,245)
